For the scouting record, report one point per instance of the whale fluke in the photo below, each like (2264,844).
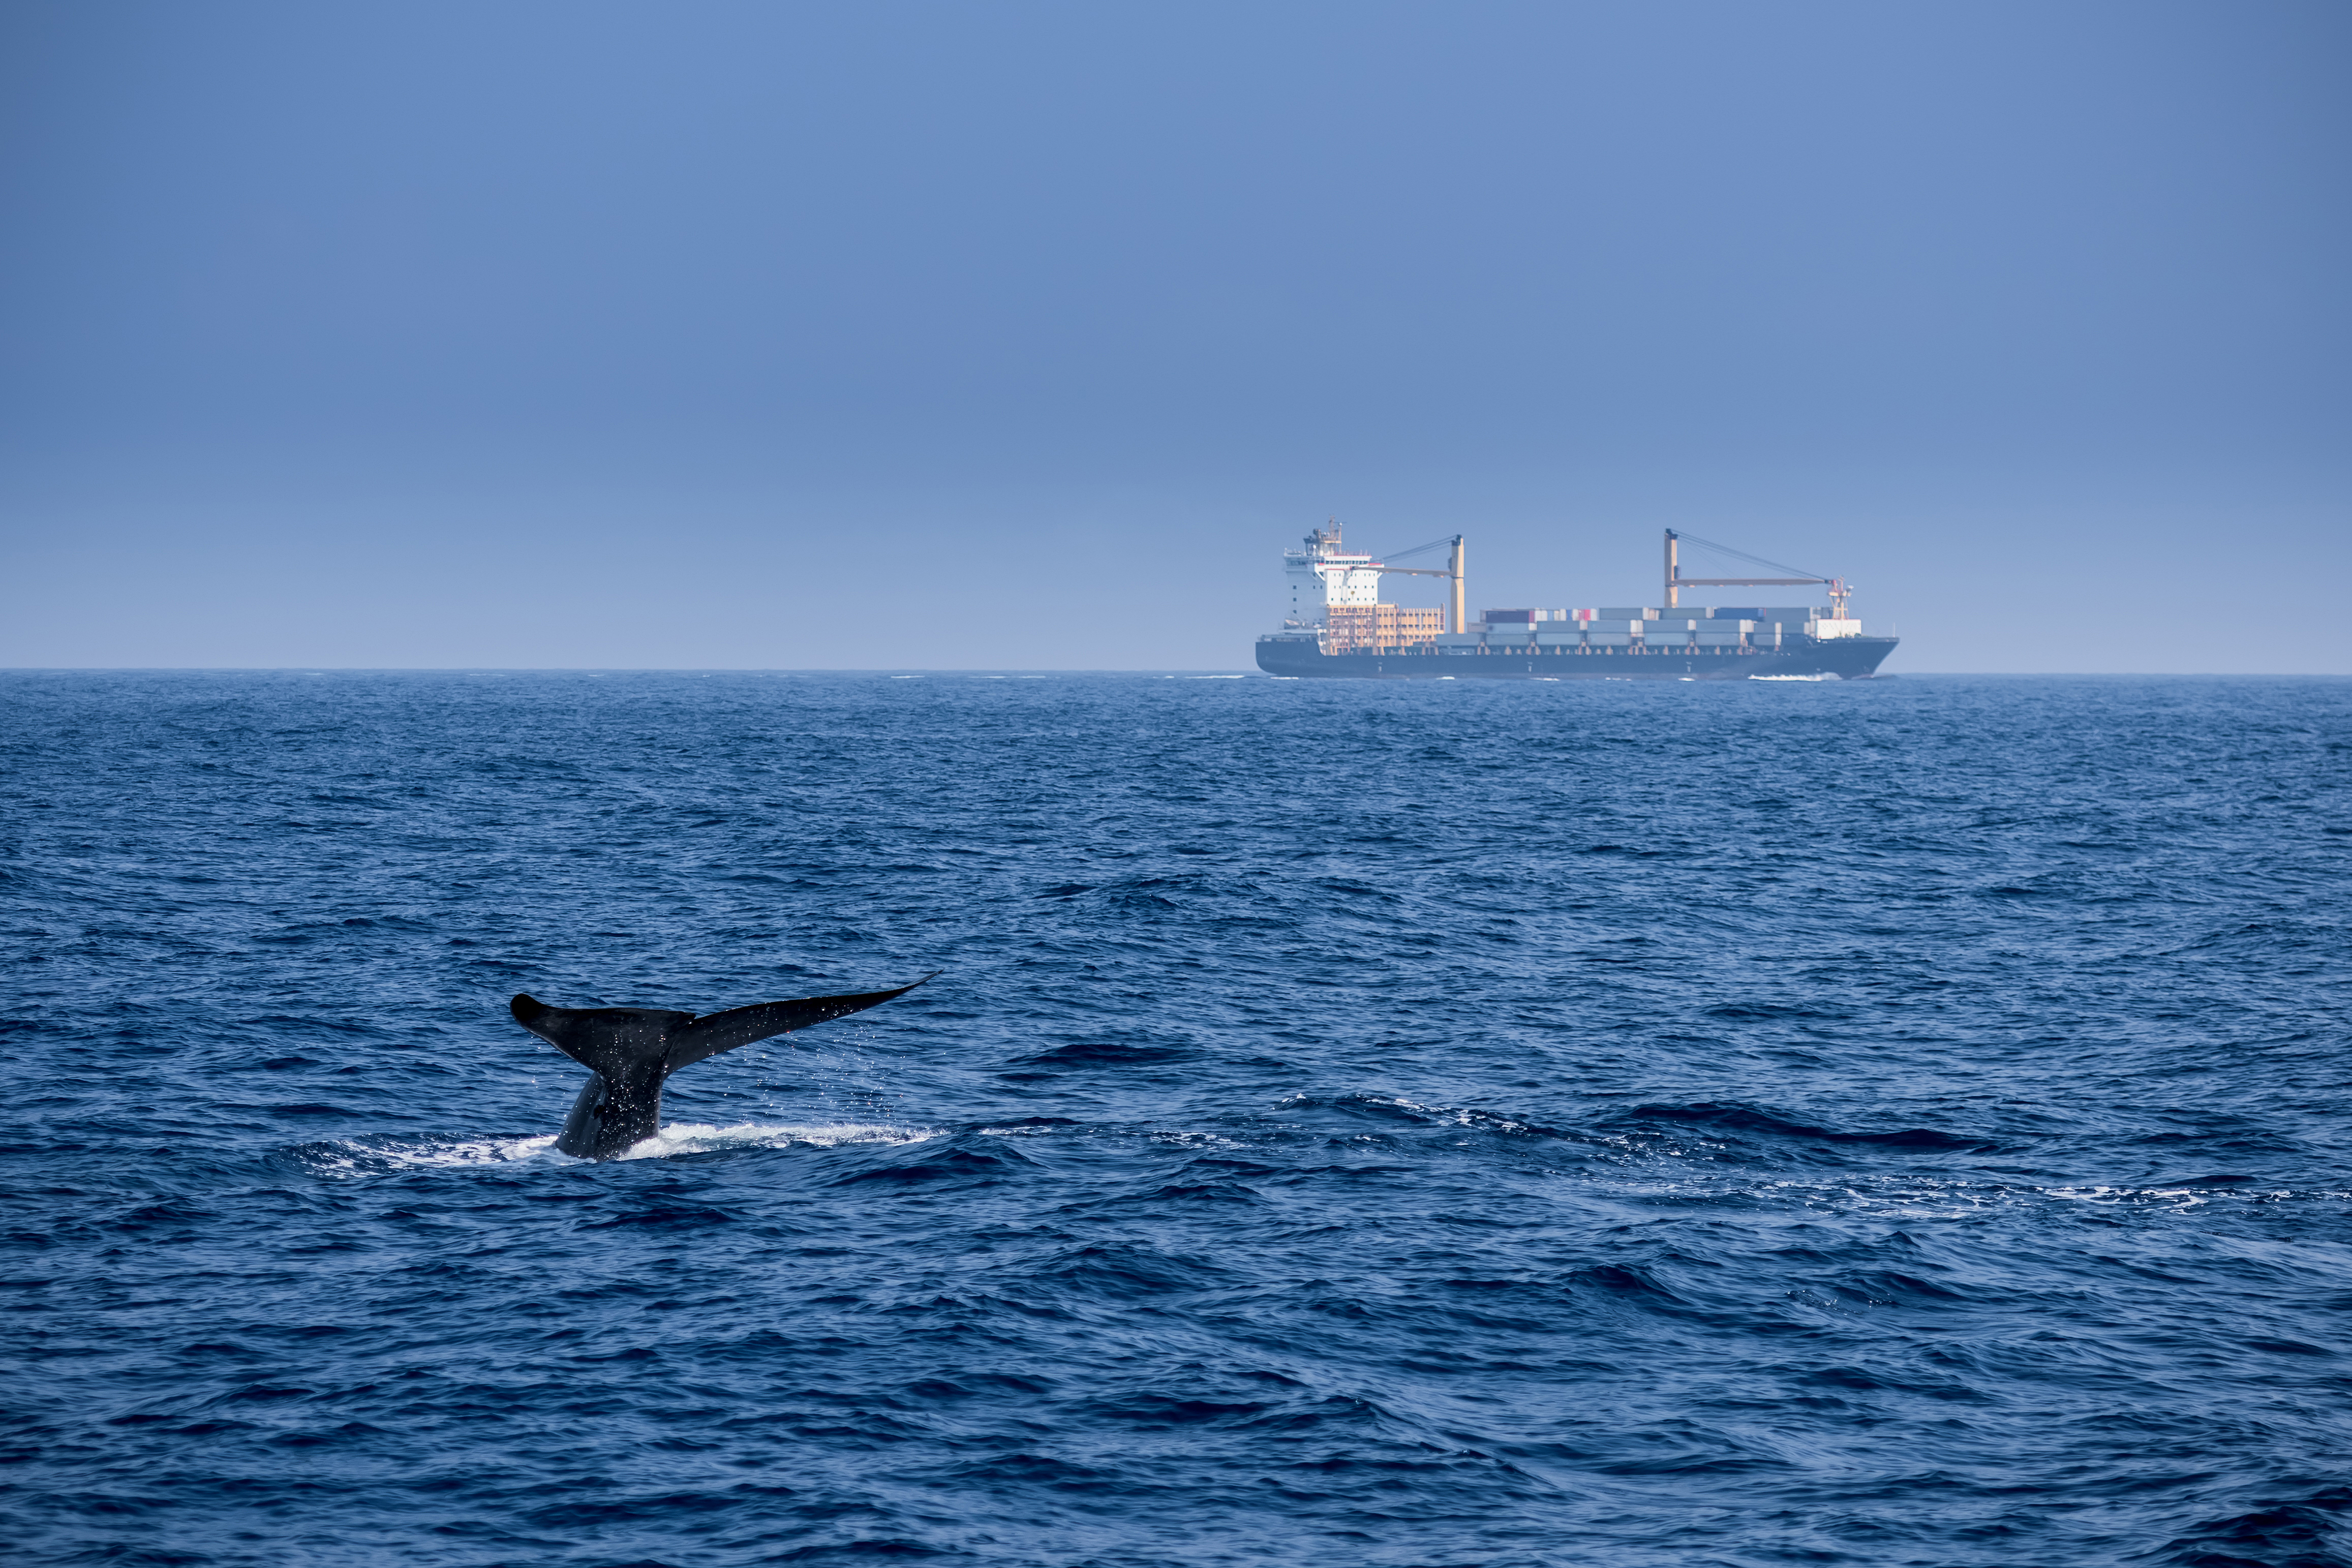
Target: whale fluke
(629,1051)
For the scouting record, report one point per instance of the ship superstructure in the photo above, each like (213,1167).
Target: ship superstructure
(1336,626)
(1337,595)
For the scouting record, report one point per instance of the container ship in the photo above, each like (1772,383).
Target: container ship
(1336,626)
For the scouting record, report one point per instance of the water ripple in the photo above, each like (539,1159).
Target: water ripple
(1840,1122)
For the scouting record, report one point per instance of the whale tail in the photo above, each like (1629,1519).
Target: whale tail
(629,1051)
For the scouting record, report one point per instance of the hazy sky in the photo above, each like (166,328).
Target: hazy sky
(1015,335)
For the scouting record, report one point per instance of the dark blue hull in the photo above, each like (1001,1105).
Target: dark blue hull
(1847,658)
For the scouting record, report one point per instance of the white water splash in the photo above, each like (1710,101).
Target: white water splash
(700,1137)
(358,1158)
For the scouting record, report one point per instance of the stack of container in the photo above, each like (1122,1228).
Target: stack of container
(1651,626)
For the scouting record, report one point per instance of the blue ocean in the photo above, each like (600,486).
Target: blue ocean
(1434,1123)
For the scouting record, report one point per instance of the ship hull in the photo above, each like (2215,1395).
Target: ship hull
(1843,658)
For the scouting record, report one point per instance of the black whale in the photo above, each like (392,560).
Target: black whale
(629,1050)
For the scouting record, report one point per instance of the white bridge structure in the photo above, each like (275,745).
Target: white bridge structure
(1323,578)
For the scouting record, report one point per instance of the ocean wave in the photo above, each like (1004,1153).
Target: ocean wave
(1358,1124)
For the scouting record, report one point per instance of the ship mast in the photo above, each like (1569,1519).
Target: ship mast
(1454,566)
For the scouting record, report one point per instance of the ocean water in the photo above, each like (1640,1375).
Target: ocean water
(1897,1122)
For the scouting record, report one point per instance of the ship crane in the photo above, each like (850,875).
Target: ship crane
(1677,582)
(1457,621)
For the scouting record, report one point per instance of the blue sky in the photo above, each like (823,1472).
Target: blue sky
(766,336)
